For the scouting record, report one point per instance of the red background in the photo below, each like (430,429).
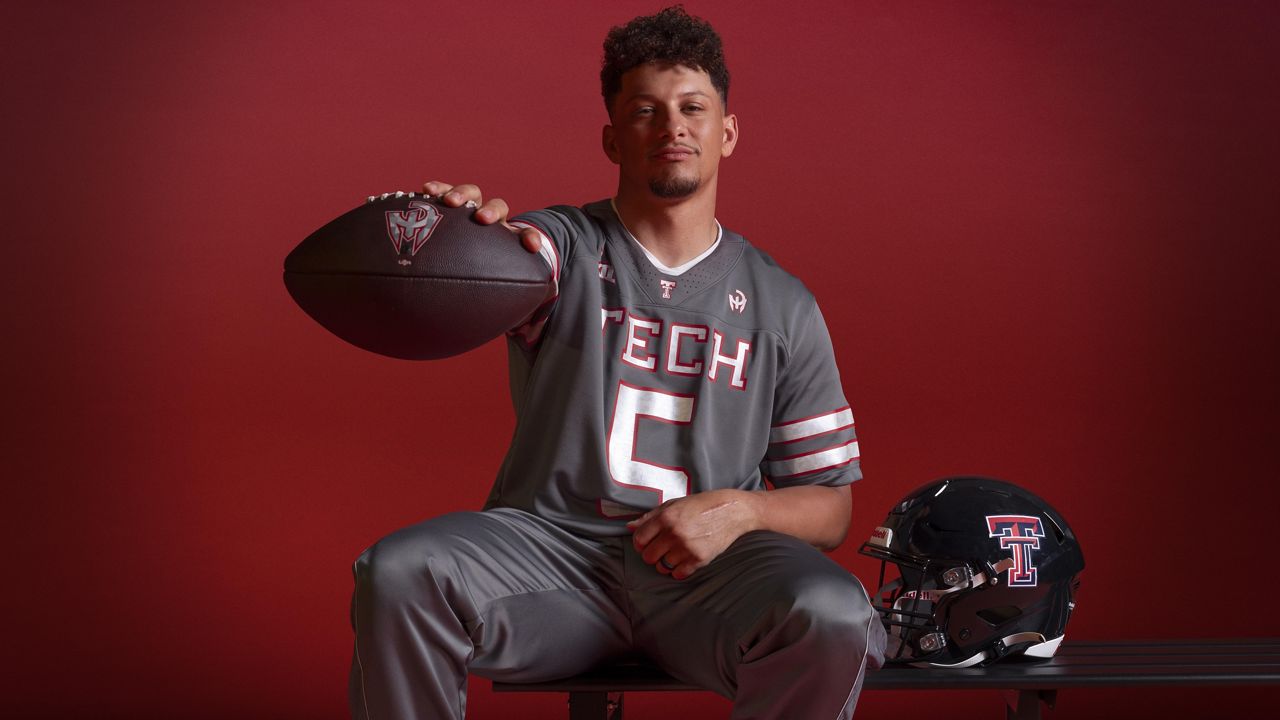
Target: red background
(1044,236)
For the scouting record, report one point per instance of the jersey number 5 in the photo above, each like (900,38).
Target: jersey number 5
(632,405)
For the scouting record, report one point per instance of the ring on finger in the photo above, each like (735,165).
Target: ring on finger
(663,561)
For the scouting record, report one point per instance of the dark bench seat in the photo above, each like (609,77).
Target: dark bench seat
(598,695)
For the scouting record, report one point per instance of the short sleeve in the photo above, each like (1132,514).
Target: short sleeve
(811,437)
(558,226)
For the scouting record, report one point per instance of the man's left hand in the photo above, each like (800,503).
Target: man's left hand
(682,535)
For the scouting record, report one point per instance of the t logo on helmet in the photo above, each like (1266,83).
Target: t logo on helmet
(1020,534)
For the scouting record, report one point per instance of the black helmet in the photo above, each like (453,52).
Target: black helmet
(987,570)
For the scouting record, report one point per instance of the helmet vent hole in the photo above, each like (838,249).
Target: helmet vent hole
(999,615)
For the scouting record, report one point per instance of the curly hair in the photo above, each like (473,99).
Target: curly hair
(671,36)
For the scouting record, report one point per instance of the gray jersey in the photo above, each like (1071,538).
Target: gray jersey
(634,386)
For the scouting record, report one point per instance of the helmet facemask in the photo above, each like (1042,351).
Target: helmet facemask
(914,607)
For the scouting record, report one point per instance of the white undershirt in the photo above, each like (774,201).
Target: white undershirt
(680,269)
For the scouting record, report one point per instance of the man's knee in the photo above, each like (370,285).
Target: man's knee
(837,606)
(404,564)
(832,599)
(828,608)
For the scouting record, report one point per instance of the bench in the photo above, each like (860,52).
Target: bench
(598,695)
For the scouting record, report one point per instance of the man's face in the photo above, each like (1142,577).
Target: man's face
(669,130)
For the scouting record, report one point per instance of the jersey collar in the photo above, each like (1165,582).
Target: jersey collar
(679,269)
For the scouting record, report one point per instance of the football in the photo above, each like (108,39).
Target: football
(406,276)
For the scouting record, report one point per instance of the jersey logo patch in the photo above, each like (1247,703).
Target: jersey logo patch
(737,301)
(667,287)
(605,271)
(410,228)
(1020,534)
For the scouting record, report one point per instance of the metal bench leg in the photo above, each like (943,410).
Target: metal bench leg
(595,705)
(1026,704)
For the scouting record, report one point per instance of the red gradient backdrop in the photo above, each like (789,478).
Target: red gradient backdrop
(1044,236)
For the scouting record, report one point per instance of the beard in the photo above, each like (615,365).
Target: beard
(671,188)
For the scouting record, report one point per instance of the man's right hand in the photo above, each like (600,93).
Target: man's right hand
(487,213)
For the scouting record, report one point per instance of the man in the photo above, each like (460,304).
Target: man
(676,367)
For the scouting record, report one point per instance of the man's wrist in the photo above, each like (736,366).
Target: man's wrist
(753,511)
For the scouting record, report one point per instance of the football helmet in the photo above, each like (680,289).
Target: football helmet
(986,571)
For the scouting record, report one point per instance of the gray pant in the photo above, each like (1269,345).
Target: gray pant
(772,623)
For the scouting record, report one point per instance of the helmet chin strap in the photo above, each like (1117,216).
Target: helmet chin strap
(1032,643)
(980,657)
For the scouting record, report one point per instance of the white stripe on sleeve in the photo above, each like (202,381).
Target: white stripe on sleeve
(814,461)
(801,429)
(547,251)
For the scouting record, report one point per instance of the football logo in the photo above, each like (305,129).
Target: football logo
(410,228)
(667,287)
(737,301)
(1020,534)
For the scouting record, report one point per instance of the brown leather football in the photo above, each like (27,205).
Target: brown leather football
(406,276)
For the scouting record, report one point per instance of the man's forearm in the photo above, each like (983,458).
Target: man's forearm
(817,514)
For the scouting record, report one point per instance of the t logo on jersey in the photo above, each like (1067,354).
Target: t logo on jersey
(667,287)
(1020,534)
(411,227)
